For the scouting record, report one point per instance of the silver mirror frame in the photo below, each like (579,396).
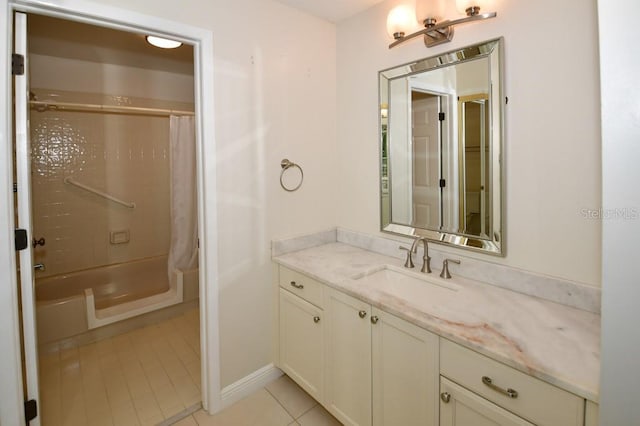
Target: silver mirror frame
(494,246)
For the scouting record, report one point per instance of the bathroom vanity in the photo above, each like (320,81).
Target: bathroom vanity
(379,344)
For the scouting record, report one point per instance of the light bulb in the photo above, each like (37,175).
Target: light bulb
(401,19)
(163,42)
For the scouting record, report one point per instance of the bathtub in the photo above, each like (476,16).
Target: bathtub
(70,304)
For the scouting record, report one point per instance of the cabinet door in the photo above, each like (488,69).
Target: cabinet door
(348,358)
(592,413)
(301,343)
(461,407)
(405,372)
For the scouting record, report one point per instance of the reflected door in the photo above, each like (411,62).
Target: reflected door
(425,109)
(475,160)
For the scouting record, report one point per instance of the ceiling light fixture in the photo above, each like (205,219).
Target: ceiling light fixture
(163,43)
(435,34)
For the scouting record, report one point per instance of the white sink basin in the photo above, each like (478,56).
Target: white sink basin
(408,285)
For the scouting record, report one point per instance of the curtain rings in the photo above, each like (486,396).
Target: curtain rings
(286,165)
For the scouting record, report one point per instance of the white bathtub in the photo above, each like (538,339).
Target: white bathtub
(70,304)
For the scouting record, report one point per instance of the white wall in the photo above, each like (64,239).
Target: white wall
(620,376)
(552,127)
(274,98)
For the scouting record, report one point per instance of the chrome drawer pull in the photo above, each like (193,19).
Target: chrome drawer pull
(299,286)
(446,397)
(316,319)
(362,314)
(508,392)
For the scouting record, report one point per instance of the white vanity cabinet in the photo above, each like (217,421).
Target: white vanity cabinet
(301,345)
(369,367)
(461,407)
(502,386)
(592,414)
(380,369)
(348,358)
(405,372)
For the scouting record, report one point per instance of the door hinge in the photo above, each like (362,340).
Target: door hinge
(17,64)
(30,410)
(443,183)
(441,116)
(21,240)
(15,187)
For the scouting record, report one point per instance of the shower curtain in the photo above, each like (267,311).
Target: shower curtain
(183,250)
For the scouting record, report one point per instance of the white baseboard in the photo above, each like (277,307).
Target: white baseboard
(249,384)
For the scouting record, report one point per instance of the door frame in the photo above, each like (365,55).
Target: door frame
(11,384)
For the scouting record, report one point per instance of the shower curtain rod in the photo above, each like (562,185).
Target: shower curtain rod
(42,106)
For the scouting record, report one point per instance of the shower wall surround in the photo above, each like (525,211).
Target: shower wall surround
(126,156)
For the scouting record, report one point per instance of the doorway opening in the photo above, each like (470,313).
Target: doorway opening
(113,206)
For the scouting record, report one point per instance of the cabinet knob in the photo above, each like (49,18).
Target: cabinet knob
(299,286)
(362,314)
(316,319)
(445,397)
(374,319)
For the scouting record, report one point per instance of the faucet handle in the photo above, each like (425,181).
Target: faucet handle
(445,268)
(409,261)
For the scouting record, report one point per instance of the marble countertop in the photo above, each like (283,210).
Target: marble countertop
(547,340)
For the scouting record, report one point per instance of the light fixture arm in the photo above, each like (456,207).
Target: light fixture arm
(442,32)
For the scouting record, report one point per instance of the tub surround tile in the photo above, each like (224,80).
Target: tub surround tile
(556,343)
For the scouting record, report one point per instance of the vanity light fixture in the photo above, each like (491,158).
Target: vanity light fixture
(400,20)
(437,33)
(163,43)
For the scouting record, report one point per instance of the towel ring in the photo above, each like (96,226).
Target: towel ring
(286,164)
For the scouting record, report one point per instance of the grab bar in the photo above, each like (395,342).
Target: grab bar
(71,181)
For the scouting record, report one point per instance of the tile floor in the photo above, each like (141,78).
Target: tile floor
(151,375)
(280,403)
(142,377)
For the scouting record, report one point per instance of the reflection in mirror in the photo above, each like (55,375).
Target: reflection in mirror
(441,137)
(473,158)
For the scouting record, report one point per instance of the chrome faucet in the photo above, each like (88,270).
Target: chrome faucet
(426,259)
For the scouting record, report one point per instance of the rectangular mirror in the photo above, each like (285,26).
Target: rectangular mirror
(441,135)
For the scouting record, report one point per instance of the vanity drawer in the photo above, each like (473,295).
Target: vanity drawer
(301,285)
(536,401)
